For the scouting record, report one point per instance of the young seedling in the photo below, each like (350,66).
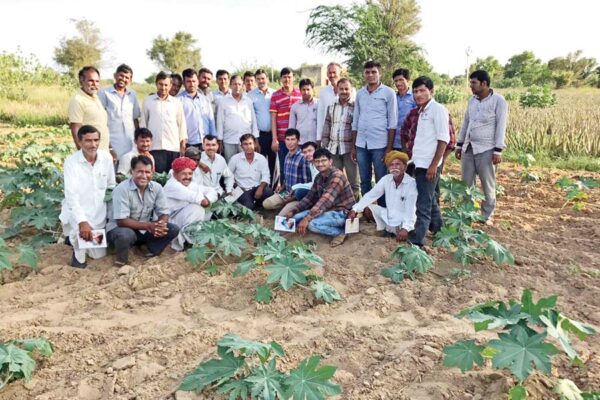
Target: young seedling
(17,358)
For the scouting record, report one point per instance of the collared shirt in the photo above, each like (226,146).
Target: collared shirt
(85,187)
(405,104)
(217,94)
(247,174)
(326,98)
(129,202)
(165,119)
(296,170)
(121,110)
(199,117)
(88,110)
(401,201)
(409,132)
(179,196)
(218,168)
(210,97)
(262,102)
(433,126)
(281,104)
(124,167)
(484,126)
(313,174)
(235,118)
(329,192)
(303,116)
(337,129)
(374,114)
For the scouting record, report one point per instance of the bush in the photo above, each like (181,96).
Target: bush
(537,96)
(448,94)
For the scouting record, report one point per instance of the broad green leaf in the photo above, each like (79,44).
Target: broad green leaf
(589,183)
(237,389)
(16,360)
(496,318)
(536,309)
(211,371)
(305,253)
(581,330)
(28,256)
(266,382)
(591,395)
(567,390)
(413,257)
(559,327)
(483,307)
(270,251)
(467,254)
(277,349)
(264,294)
(43,346)
(232,342)
(517,393)
(463,354)
(196,255)
(564,182)
(324,291)
(232,245)
(308,381)
(499,253)
(518,352)
(244,267)
(446,237)
(287,271)
(489,352)
(4,256)
(395,273)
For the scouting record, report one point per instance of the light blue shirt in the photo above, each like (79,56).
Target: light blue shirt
(374,114)
(121,110)
(262,102)
(199,117)
(405,104)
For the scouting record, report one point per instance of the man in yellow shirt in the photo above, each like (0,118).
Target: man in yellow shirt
(85,107)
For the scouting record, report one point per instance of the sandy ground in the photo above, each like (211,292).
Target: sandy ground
(162,318)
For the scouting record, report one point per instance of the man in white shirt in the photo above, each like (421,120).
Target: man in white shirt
(121,105)
(205,76)
(143,144)
(212,167)
(163,115)
(222,85)
(87,174)
(432,137)
(186,200)
(261,98)
(251,173)
(400,191)
(198,112)
(235,117)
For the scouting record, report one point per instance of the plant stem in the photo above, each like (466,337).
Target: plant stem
(8,378)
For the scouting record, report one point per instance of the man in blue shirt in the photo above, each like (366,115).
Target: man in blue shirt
(404,99)
(261,99)
(197,110)
(373,126)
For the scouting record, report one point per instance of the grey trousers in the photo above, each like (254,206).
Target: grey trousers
(344,162)
(481,165)
(229,150)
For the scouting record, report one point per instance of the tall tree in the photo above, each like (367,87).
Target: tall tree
(572,69)
(175,54)
(489,64)
(85,48)
(527,68)
(380,30)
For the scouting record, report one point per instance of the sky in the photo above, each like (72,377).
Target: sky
(235,33)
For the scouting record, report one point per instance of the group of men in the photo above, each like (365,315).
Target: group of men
(311,159)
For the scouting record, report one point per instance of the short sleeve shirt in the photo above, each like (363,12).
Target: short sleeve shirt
(129,203)
(281,104)
(88,110)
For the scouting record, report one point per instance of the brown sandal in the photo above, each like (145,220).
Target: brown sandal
(338,240)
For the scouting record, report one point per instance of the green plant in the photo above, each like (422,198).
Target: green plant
(161,177)
(522,342)
(17,358)
(412,261)
(575,190)
(223,209)
(537,96)
(247,369)
(527,161)
(448,94)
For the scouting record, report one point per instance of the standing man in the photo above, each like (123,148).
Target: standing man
(373,126)
(87,174)
(121,105)
(261,99)
(163,115)
(405,101)
(303,114)
(199,117)
(481,139)
(337,133)
(251,173)
(212,167)
(176,82)
(431,140)
(86,108)
(249,81)
(235,117)
(281,104)
(136,202)
(205,76)
(223,85)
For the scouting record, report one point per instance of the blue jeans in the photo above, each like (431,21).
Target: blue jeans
(300,193)
(330,223)
(369,159)
(281,155)
(428,208)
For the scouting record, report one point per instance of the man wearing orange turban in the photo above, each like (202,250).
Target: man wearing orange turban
(186,199)
(400,191)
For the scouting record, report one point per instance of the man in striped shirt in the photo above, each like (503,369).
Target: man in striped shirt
(281,104)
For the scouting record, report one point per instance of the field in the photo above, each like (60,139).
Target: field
(134,333)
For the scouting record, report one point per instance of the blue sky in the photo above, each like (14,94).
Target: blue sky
(245,32)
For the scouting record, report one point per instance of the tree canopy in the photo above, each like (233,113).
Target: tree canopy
(175,54)
(85,48)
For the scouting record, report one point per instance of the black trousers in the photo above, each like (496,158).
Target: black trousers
(124,238)
(265,139)
(163,159)
(248,200)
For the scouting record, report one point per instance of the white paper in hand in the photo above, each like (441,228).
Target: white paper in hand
(237,192)
(282,224)
(98,240)
(351,227)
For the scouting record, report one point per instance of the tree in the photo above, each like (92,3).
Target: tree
(527,68)
(86,48)
(572,69)
(489,64)
(380,30)
(175,54)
